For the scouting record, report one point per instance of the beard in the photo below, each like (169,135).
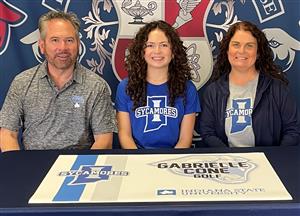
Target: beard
(61,61)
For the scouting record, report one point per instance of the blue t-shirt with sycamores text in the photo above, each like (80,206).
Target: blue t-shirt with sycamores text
(157,125)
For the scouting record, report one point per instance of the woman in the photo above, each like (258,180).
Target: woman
(157,103)
(248,103)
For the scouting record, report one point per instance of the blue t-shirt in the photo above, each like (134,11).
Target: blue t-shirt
(157,125)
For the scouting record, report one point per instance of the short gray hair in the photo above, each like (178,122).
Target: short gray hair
(68,16)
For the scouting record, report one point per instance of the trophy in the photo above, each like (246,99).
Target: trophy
(138,11)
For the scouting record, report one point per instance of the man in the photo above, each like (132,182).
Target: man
(59,103)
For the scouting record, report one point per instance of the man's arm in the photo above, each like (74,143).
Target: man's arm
(186,131)
(125,133)
(8,140)
(103,141)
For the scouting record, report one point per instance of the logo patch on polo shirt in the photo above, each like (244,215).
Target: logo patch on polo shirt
(77,101)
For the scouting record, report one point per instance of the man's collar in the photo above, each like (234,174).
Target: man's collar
(77,73)
(43,70)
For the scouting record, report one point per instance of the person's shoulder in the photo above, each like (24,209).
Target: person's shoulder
(220,82)
(123,83)
(121,89)
(275,87)
(213,89)
(278,84)
(190,86)
(214,84)
(26,75)
(280,88)
(190,83)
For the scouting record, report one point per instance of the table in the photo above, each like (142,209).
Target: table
(23,171)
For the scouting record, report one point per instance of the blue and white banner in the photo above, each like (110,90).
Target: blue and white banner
(182,177)
(108,26)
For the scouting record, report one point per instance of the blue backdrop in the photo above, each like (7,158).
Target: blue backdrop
(108,25)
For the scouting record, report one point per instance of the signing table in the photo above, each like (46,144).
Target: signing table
(23,171)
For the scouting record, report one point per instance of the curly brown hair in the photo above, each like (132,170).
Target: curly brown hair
(264,63)
(179,70)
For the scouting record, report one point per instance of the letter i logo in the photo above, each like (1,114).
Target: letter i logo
(156,104)
(241,105)
(242,117)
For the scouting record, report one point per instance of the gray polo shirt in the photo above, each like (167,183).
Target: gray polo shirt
(56,119)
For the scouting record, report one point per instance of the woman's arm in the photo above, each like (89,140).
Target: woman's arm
(208,118)
(125,133)
(186,131)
